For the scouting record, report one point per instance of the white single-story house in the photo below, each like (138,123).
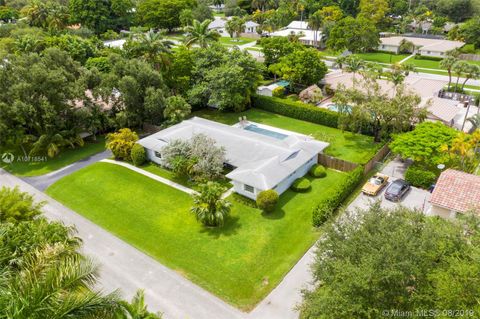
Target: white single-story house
(423,46)
(455,192)
(251,26)
(452,113)
(300,28)
(219,24)
(262,157)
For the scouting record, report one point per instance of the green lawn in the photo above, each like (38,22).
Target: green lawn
(241,262)
(345,145)
(165,173)
(235,41)
(66,157)
(382,57)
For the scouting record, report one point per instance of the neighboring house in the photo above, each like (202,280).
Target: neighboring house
(251,27)
(452,113)
(262,157)
(423,46)
(216,8)
(455,192)
(301,29)
(219,25)
(267,90)
(117,44)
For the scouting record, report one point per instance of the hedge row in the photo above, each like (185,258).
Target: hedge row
(420,177)
(338,193)
(297,110)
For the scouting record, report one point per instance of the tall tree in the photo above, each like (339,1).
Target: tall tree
(162,14)
(356,35)
(315,22)
(153,47)
(447,63)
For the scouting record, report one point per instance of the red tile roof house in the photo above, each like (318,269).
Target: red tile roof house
(455,192)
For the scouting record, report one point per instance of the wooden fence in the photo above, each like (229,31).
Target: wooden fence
(470,57)
(346,166)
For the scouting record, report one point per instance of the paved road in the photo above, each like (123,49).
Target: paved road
(42,182)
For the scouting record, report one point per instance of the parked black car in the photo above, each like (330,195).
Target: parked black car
(397,190)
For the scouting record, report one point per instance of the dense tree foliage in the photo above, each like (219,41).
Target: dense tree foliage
(16,206)
(208,205)
(380,260)
(356,35)
(162,14)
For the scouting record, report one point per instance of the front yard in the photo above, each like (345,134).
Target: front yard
(382,57)
(345,145)
(235,41)
(241,262)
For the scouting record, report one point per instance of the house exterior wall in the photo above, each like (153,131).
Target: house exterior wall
(388,48)
(442,212)
(264,91)
(282,186)
(251,30)
(152,157)
(436,54)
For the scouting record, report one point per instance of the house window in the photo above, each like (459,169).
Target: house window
(428,52)
(157,154)
(248,188)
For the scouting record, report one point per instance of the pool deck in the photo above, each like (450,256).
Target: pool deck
(243,124)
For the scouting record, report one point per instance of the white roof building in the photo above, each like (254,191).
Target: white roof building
(307,36)
(423,46)
(263,157)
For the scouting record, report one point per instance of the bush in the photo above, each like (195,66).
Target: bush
(278,91)
(301,185)
(121,143)
(138,155)
(317,171)
(420,177)
(338,194)
(297,110)
(267,200)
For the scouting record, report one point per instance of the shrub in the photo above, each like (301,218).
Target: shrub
(278,91)
(267,200)
(121,143)
(297,110)
(317,171)
(138,155)
(301,185)
(420,177)
(338,193)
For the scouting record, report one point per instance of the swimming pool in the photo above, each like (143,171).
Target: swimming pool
(263,131)
(334,107)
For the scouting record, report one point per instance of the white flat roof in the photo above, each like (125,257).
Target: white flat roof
(261,161)
(437,45)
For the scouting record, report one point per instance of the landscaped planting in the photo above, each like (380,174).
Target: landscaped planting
(297,110)
(317,171)
(240,262)
(301,185)
(345,145)
(420,177)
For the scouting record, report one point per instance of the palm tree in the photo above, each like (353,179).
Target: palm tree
(209,207)
(475,120)
(235,26)
(460,67)
(54,281)
(340,61)
(58,17)
(36,13)
(447,64)
(154,48)
(315,22)
(354,64)
(136,309)
(471,72)
(198,33)
(260,4)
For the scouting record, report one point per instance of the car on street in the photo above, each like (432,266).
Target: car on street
(375,184)
(397,190)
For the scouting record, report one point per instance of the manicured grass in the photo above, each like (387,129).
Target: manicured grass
(235,41)
(345,145)
(66,157)
(165,173)
(241,262)
(382,57)
(432,64)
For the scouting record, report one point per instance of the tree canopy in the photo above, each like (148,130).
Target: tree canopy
(356,35)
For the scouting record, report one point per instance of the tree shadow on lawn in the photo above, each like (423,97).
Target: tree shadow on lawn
(230,228)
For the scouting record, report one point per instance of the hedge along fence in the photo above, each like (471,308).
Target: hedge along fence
(297,110)
(338,193)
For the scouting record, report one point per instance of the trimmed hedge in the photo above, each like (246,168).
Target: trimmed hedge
(297,110)
(317,171)
(138,155)
(338,193)
(267,200)
(420,177)
(301,185)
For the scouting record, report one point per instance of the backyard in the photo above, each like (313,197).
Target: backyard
(66,157)
(235,41)
(345,145)
(241,262)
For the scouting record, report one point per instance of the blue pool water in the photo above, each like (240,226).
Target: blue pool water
(259,130)
(334,107)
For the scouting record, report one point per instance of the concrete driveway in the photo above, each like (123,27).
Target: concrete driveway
(416,198)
